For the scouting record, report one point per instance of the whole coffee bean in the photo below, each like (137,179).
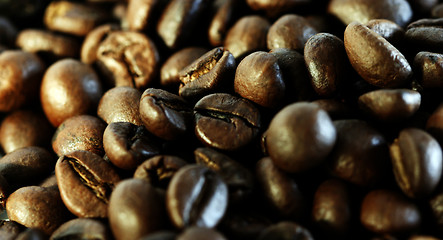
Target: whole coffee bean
(128,59)
(128,145)
(275,8)
(8,32)
(299,137)
(237,121)
(31,234)
(429,68)
(243,224)
(247,35)
(285,231)
(164,114)
(226,13)
(289,31)
(280,190)
(136,200)
(200,233)
(120,104)
(21,77)
(379,62)
(69,88)
(423,34)
(93,40)
(82,132)
(159,170)
(390,105)
(434,125)
(196,196)
(389,212)
(398,11)
(37,207)
(326,61)
(82,228)
(239,179)
(417,162)
(85,181)
(335,108)
(389,30)
(210,73)
(258,78)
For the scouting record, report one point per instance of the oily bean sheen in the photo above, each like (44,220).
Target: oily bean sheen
(285,231)
(85,181)
(199,233)
(379,62)
(237,121)
(387,29)
(429,68)
(417,162)
(196,196)
(82,228)
(299,137)
(426,34)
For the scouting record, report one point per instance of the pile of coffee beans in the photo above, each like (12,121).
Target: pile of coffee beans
(221,119)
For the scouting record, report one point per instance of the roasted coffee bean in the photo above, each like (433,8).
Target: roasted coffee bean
(164,114)
(326,61)
(389,30)
(69,88)
(21,76)
(239,179)
(159,170)
(390,105)
(120,104)
(82,132)
(437,11)
(289,31)
(210,73)
(435,203)
(196,196)
(423,34)
(379,62)
(93,40)
(307,134)
(241,224)
(280,190)
(5,190)
(417,162)
(285,231)
(275,8)
(136,200)
(140,13)
(258,78)
(8,32)
(335,108)
(429,68)
(32,234)
(200,233)
(237,121)
(9,230)
(389,212)
(226,13)
(434,125)
(85,181)
(37,207)
(128,145)
(128,59)
(50,181)
(82,228)
(160,235)
(247,35)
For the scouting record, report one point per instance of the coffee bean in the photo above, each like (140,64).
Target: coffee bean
(335,108)
(200,233)
(429,67)
(82,228)
(9,230)
(243,224)
(160,235)
(389,30)
(273,9)
(437,11)
(225,15)
(435,203)
(140,13)
(434,125)
(237,121)
(8,32)
(93,40)
(85,181)
(5,190)
(423,34)
(31,233)
(285,231)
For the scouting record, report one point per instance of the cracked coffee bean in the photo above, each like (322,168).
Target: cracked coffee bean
(93,40)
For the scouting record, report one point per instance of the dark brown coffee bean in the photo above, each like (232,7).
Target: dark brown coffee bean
(429,68)
(398,11)
(237,121)
(285,231)
(275,8)
(20,80)
(289,31)
(120,104)
(307,134)
(434,125)
(37,207)
(69,88)
(196,196)
(128,145)
(326,61)
(159,170)
(136,200)
(247,35)
(390,105)
(280,190)
(85,181)
(128,59)
(417,162)
(8,32)
(389,30)
(239,179)
(73,18)
(164,114)
(32,234)
(435,203)
(200,233)
(93,40)
(243,224)
(50,181)
(82,132)
(335,108)
(424,34)
(82,228)
(210,73)
(437,11)
(258,78)
(389,212)
(160,235)
(379,62)
(227,11)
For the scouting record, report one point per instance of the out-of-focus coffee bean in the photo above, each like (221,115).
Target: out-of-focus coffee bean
(31,234)
(160,235)
(289,31)
(335,108)
(136,200)
(85,181)
(200,233)
(93,40)
(236,119)
(429,68)
(417,162)
(8,32)
(435,203)
(247,35)
(434,125)
(275,8)
(82,228)
(240,224)
(389,30)
(139,14)
(389,212)
(422,7)
(225,15)
(285,231)
(307,134)
(379,62)
(437,11)
(258,78)
(196,196)
(424,34)
(9,230)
